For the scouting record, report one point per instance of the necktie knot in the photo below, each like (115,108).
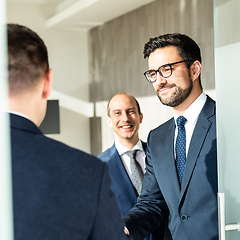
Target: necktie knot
(132,153)
(181,120)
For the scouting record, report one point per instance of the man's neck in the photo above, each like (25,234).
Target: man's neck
(129,143)
(180,109)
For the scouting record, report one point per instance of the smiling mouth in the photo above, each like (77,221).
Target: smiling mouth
(165,88)
(127,126)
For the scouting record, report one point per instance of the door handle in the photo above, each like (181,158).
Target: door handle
(222,227)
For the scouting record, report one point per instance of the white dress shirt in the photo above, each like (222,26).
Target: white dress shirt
(19,114)
(191,114)
(140,156)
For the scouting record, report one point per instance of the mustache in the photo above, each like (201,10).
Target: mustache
(126,123)
(167,85)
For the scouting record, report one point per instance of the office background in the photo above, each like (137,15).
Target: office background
(92,61)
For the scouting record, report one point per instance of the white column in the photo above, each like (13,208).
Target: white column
(6,212)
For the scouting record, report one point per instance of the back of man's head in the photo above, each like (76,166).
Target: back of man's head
(29,77)
(27,58)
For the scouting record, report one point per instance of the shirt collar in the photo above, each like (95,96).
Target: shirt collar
(122,149)
(19,114)
(192,112)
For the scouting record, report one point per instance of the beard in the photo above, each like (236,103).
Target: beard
(178,97)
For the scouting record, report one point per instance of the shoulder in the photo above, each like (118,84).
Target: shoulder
(210,103)
(158,134)
(209,110)
(63,150)
(163,127)
(76,164)
(58,154)
(108,154)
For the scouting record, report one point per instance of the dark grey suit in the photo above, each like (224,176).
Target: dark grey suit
(59,192)
(193,208)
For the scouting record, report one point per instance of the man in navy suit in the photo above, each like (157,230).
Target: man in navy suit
(180,183)
(58,192)
(125,117)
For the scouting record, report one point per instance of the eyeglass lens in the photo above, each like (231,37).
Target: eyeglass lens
(165,71)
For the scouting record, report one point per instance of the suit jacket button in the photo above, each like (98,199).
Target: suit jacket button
(184,218)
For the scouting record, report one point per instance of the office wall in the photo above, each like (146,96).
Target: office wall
(73,126)
(116,59)
(90,67)
(68,56)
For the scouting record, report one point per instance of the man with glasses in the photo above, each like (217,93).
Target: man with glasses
(180,183)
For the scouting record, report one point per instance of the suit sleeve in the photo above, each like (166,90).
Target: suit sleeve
(108,223)
(151,209)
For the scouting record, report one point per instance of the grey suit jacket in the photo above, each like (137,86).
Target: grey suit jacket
(191,211)
(59,192)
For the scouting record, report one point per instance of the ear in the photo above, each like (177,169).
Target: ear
(141,117)
(47,86)
(109,121)
(196,70)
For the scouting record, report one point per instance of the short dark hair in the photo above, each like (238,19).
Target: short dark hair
(27,58)
(186,46)
(127,94)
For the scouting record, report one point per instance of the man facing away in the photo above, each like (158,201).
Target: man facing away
(58,192)
(125,117)
(180,183)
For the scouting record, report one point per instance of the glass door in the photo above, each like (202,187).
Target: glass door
(227,72)
(6,216)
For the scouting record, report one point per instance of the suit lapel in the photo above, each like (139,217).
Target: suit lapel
(120,174)
(168,163)
(171,164)
(197,141)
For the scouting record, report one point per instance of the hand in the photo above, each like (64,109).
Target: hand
(126,231)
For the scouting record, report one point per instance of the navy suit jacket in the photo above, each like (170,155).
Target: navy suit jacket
(191,211)
(59,192)
(122,186)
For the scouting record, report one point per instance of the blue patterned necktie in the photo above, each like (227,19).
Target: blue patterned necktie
(136,171)
(180,147)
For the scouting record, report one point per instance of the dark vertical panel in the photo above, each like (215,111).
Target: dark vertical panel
(95,135)
(51,122)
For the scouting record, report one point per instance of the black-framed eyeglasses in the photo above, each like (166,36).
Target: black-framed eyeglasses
(164,70)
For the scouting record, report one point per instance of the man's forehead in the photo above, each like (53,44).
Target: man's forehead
(125,103)
(121,98)
(163,56)
(123,109)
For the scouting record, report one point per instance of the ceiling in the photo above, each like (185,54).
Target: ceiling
(85,14)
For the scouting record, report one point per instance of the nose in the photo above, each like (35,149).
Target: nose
(125,116)
(160,80)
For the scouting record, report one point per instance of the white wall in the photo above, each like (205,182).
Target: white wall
(68,56)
